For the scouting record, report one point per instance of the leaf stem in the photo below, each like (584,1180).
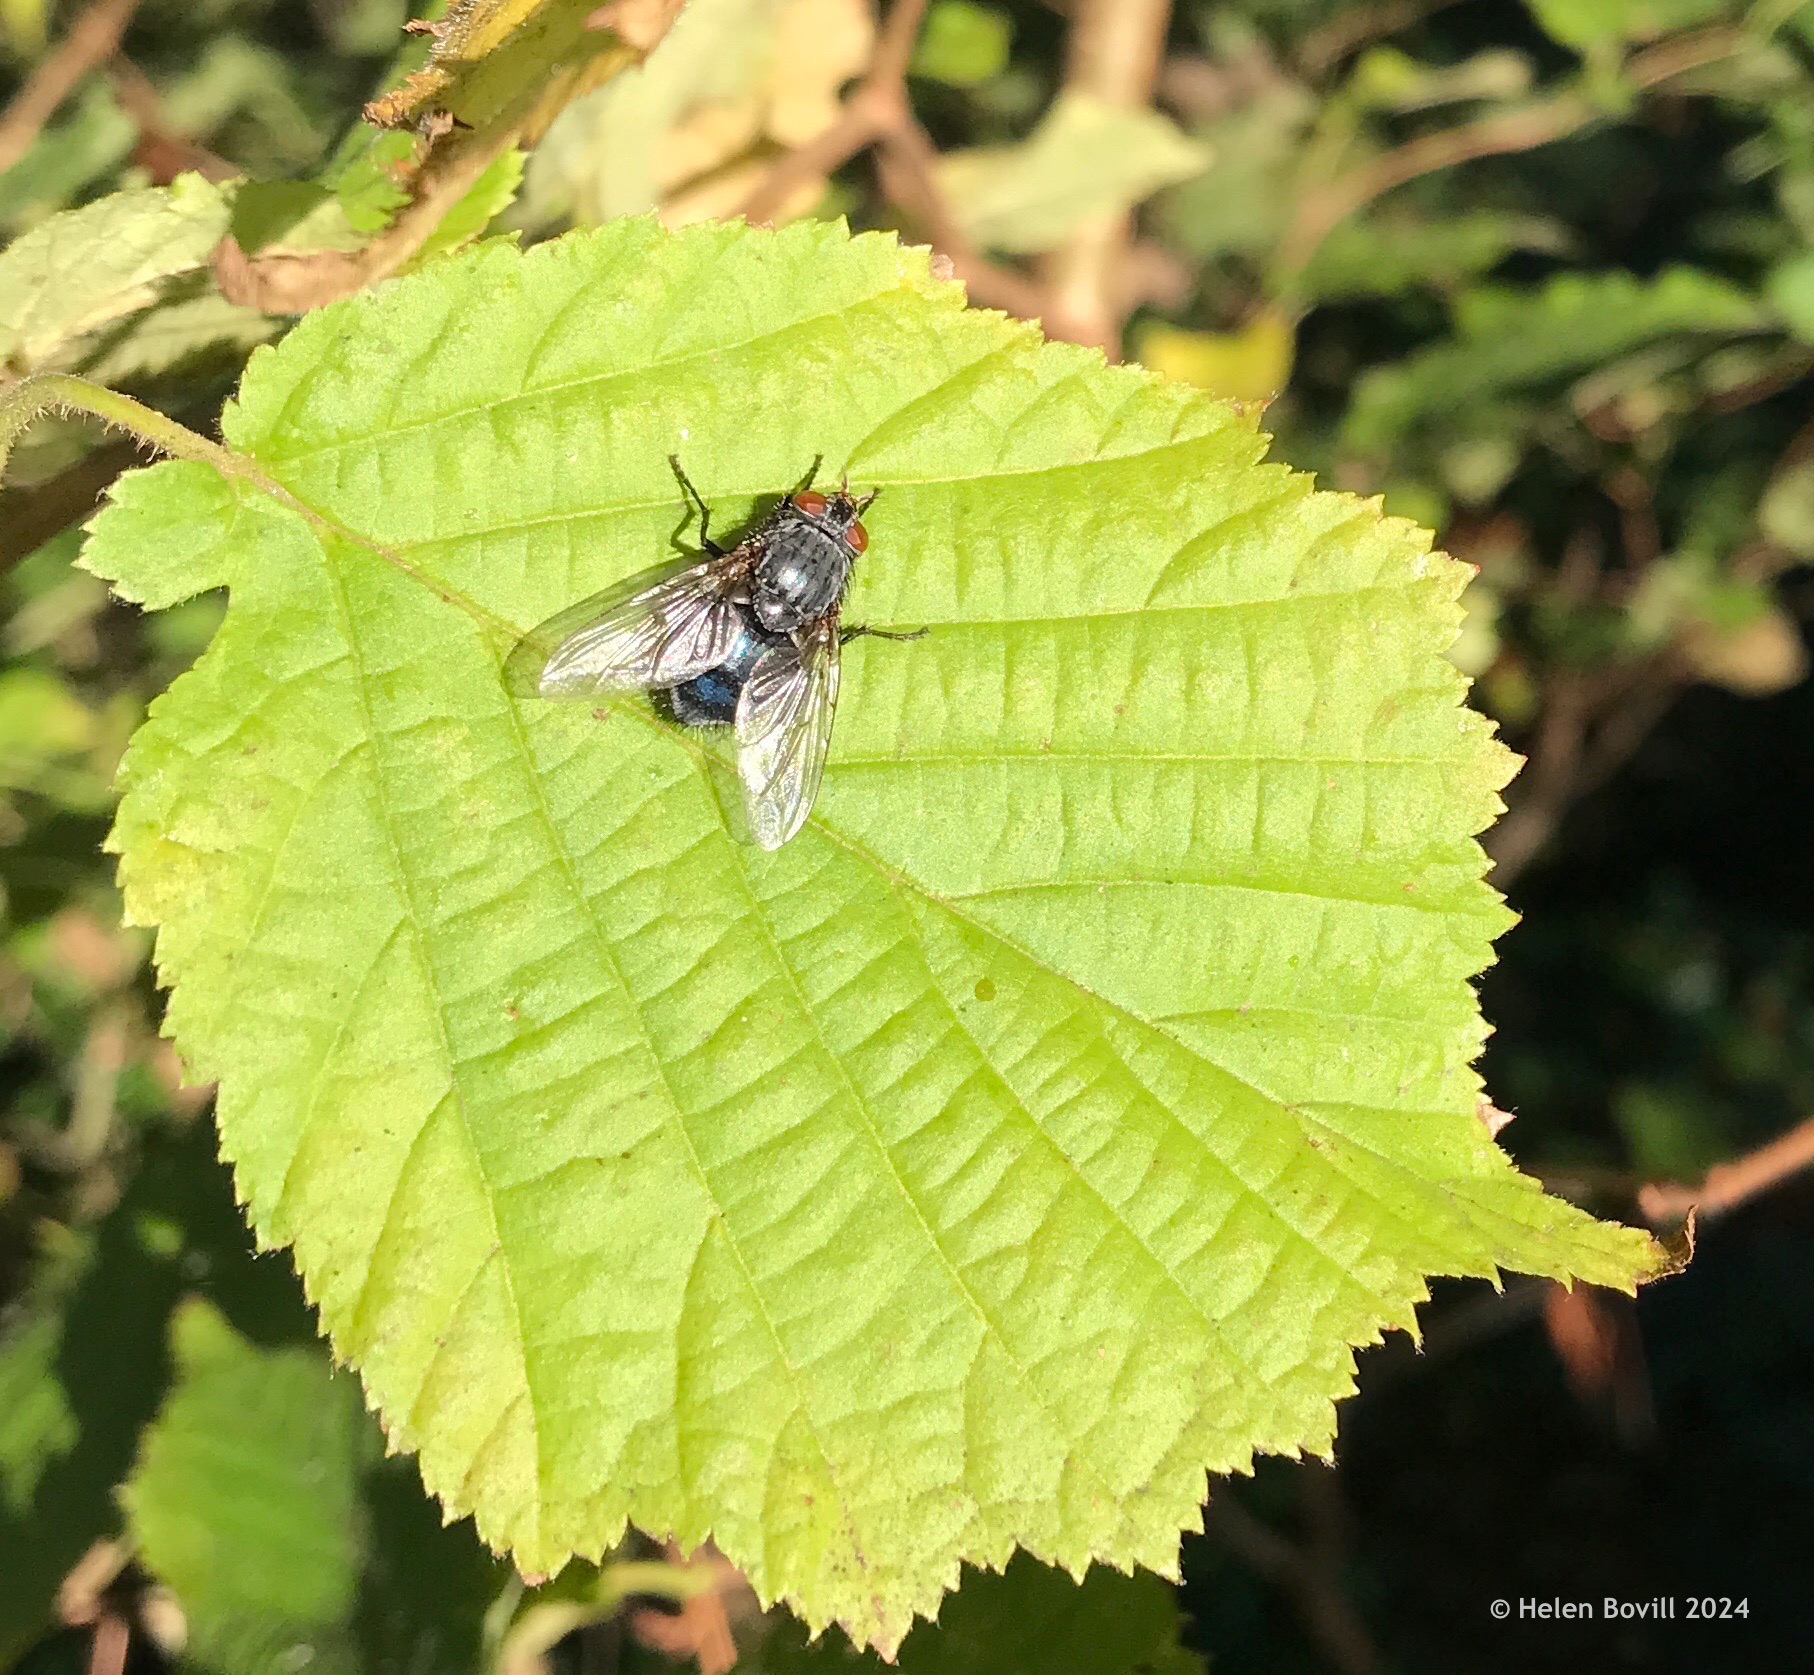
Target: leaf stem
(58,392)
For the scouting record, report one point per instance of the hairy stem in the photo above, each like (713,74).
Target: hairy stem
(58,392)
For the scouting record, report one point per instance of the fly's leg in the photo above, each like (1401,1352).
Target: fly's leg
(858,630)
(812,471)
(705,512)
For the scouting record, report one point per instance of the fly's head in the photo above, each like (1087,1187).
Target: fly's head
(839,514)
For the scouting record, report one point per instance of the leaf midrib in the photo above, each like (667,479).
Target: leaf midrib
(608,954)
(886,1153)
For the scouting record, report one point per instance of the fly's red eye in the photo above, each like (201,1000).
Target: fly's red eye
(811,502)
(857,538)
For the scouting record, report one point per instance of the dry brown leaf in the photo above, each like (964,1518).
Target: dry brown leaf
(1492,1117)
(719,196)
(706,139)
(637,23)
(819,46)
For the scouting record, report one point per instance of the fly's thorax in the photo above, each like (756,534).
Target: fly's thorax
(801,574)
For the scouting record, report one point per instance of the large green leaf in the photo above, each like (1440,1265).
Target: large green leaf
(244,1499)
(83,1362)
(1040,1127)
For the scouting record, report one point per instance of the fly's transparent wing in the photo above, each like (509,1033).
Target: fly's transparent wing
(659,637)
(783,727)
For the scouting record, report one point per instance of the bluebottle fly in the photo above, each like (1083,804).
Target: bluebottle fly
(747,638)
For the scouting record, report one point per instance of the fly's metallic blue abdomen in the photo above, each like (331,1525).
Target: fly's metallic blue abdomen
(710,700)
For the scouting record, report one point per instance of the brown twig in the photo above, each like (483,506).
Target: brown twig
(1640,532)
(873,107)
(161,150)
(1728,1185)
(1320,212)
(91,41)
(908,169)
(877,113)
(112,1640)
(1112,54)
(1595,1335)
(1795,366)
(700,1629)
(1589,731)
(1353,27)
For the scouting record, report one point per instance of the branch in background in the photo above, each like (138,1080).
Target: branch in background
(1321,211)
(1357,26)
(1112,55)
(1729,1185)
(1595,1335)
(1592,726)
(876,105)
(699,1630)
(908,165)
(162,152)
(879,114)
(1588,733)
(1308,1572)
(92,39)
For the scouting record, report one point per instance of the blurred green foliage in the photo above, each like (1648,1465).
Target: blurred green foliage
(1539,274)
